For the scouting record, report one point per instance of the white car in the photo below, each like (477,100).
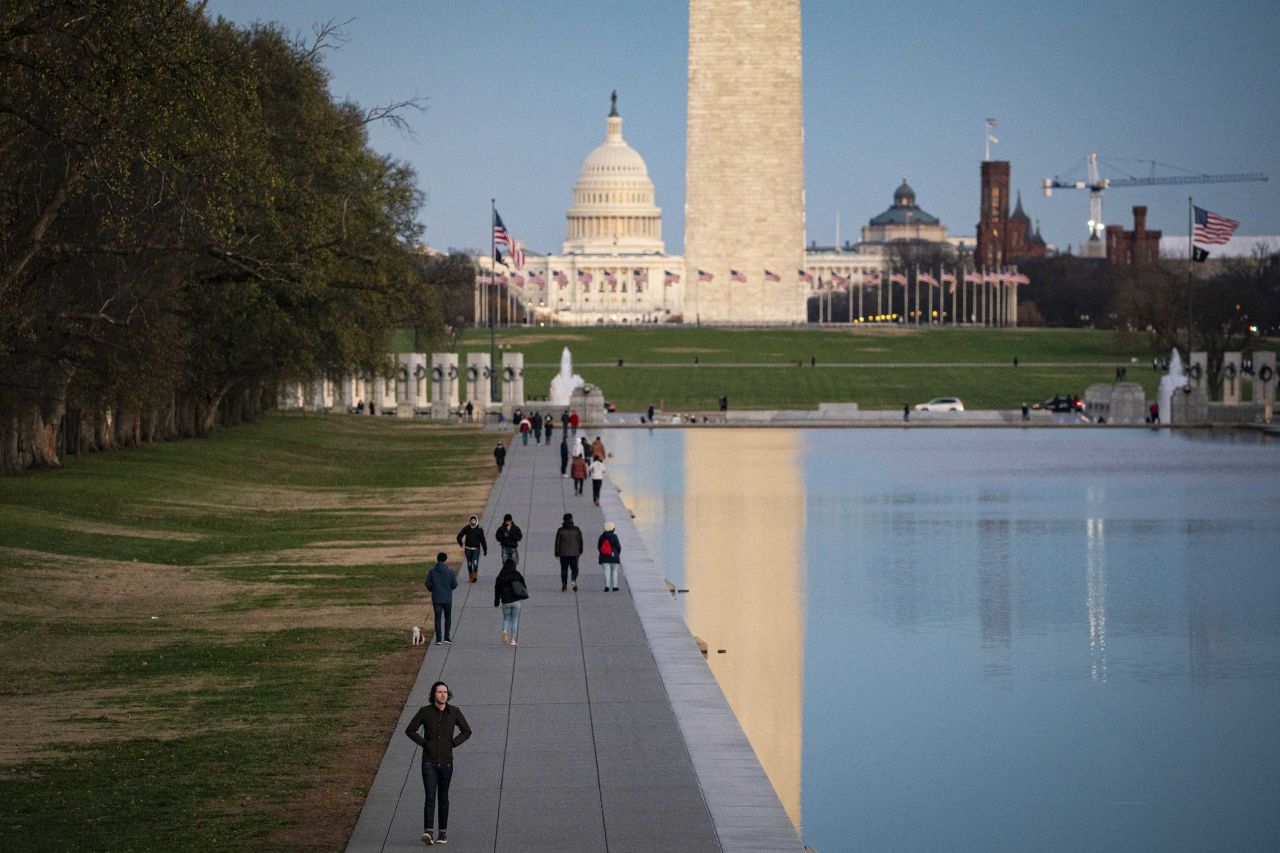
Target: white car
(941,404)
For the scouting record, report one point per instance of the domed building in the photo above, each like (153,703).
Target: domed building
(905,220)
(613,202)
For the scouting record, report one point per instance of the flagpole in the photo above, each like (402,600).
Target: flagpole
(1191,217)
(493,268)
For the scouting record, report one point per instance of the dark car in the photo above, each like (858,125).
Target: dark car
(1060,403)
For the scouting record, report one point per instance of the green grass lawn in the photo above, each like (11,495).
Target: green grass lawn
(876,368)
(203,644)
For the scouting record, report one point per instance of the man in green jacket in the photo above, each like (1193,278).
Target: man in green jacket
(437,721)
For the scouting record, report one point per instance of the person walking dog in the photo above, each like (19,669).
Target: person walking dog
(441,582)
(437,721)
(509,590)
(610,551)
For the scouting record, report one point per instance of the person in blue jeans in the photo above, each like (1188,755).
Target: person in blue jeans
(441,582)
(437,721)
(471,540)
(508,536)
(509,591)
(610,551)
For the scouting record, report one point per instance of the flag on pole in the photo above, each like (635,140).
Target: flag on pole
(538,279)
(640,276)
(560,278)
(805,277)
(974,277)
(484,277)
(991,126)
(898,278)
(704,276)
(990,278)
(841,280)
(734,275)
(1199,255)
(517,280)
(949,279)
(870,280)
(669,278)
(584,277)
(768,276)
(927,279)
(501,237)
(500,279)
(1211,228)
(610,279)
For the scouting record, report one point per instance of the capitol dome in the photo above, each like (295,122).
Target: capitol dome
(613,201)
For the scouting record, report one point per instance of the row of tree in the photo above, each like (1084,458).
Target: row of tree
(186,217)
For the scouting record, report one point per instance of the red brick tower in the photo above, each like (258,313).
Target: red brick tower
(993,221)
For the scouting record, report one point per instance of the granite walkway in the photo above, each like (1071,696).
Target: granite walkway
(603,730)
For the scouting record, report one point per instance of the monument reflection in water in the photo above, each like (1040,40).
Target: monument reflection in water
(986,639)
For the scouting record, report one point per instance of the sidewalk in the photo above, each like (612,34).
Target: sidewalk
(603,730)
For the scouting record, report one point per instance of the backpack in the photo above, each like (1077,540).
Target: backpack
(606,547)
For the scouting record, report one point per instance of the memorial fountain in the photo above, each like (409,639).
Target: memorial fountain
(563,383)
(1172,381)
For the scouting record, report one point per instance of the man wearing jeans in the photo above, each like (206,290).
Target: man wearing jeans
(568,549)
(441,582)
(472,540)
(437,721)
(509,536)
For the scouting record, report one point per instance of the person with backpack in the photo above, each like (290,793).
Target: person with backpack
(509,589)
(568,549)
(610,551)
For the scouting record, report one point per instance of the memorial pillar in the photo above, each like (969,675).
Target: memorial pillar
(512,382)
(479,374)
(1264,383)
(1198,371)
(1231,378)
(444,385)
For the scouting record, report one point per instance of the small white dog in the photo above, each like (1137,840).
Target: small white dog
(418,639)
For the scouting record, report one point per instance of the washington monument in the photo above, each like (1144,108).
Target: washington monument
(744,168)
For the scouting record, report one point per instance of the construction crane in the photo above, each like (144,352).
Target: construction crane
(1095,247)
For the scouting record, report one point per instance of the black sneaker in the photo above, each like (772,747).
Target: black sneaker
(427,839)
(443,838)
(615,589)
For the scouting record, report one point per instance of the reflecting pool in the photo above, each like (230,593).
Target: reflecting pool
(968,639)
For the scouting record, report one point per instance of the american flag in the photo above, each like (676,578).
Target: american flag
(500,279)
(868,280)
(734,275)
(538,279)
(898,278)
(640,276)
(1212,229)
(768,276)
(990,277)
(1019,278)
(950,280)
(484,277)
(927,279)
(584,277)
(704,276)
(611,280)
(669,278)
(517,279)
(841,280)
(502,237)
(805,276)
(974,277)
(560,278)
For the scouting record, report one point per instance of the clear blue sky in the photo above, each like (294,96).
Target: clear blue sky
(517,90)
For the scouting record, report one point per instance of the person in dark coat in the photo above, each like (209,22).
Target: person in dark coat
(564,457)
(473,543)
(508,536)
(548,427)
(437,722)
(610,551)
(500,454)
(568,549)
(505,594)
(441,582)
(537,428)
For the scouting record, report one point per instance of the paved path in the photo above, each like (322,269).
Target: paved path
(604,730)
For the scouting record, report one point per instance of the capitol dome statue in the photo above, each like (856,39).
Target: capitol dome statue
(613,202)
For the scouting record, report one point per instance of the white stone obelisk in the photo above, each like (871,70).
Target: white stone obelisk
(744,167)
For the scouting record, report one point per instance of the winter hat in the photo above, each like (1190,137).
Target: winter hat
(608,527)
(507,517)
(568,517)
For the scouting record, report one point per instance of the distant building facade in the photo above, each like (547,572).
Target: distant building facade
(1133,248)
(1003,238)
